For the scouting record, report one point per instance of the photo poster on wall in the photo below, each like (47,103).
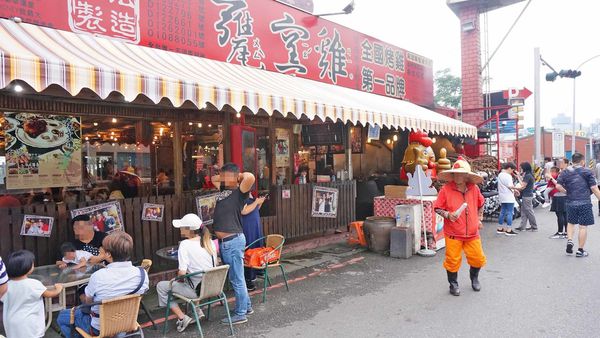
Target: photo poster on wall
(325,202)
(205,204)
(106,217)
(42,151)
(373,132)
(282,148)
(39,226)
(153,212)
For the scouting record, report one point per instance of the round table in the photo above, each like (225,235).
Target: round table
(164,253)
(51,274)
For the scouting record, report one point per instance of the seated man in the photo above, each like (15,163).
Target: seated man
(119,278)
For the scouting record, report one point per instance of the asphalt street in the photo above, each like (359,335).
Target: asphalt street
(531,288)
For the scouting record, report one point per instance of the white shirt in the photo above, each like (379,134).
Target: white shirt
(505,181)
(24,309)
(193,257)
(79,254)
(117,279)
(3,274)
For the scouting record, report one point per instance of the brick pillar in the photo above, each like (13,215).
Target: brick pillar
(471,64)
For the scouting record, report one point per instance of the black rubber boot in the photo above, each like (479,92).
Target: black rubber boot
(453,280)
(474,272)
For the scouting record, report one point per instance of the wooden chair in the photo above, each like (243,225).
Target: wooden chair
(117,315)
(211,291)
(147,264)
(276,242)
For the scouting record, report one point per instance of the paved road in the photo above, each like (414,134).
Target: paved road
(530,289)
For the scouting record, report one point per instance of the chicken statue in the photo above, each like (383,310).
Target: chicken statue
(418,152)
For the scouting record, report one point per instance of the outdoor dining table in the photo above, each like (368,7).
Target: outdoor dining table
(51,274)
(168,253)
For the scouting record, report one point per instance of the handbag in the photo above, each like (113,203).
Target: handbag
(259,257)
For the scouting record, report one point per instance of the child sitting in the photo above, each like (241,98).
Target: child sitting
(24,314)
(551,186)
(73,257)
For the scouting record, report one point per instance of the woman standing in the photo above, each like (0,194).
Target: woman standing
(461,204)
(526,189)
(506,194)
(559,204)
(196,252)
(252,227)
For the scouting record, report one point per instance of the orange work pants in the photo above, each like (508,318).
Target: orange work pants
(472,249)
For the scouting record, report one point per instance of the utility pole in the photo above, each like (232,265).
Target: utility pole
(574,124)
(536,97)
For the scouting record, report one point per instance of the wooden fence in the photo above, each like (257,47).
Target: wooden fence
(291,218)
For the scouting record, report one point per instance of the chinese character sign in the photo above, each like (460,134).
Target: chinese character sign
(262,34)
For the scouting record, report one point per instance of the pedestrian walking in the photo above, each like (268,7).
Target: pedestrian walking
(597,172)
(506,195)
(526,190)
(579,183)
(559,200)
(228,229)
(461,204)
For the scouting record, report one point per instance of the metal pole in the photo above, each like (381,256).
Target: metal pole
(574,125)
(498,139)
(536,96)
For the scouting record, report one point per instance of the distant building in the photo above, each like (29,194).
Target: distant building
(562,122)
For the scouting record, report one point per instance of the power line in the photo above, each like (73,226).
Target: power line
(506,35)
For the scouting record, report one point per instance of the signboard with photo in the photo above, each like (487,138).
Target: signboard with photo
(153,212)
(42,151)
(206,207)
(40,226)
(356,140)
(324,202)
(105,217)
(373,132)
(282,148)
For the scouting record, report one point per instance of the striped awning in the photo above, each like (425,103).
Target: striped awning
(43,56)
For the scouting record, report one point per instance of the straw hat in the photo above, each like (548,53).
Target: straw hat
(461,166)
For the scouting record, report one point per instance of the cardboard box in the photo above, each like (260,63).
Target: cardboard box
(395,191)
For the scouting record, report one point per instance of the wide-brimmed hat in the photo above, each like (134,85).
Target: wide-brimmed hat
(461,166)
(191,221)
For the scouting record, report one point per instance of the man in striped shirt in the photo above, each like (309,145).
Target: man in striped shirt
(3,279)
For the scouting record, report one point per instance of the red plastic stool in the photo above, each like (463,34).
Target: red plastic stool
(357,235)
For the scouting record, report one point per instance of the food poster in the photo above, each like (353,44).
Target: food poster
(282,148)
(42,151)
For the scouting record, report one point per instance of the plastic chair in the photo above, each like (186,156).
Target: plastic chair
(276,242)
(117,315)
(146,265)
(211,291)
(357,236)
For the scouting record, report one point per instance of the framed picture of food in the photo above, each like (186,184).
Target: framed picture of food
(42,150)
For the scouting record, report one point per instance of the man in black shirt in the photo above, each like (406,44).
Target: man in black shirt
(86,239)
(228,228)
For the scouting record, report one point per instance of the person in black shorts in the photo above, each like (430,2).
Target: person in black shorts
(579,183)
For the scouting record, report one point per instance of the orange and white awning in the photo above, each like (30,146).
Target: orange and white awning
(43,56)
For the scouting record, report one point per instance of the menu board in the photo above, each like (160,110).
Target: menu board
(42,151)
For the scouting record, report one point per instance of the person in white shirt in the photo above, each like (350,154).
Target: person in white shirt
(3,279)
(196,253)
(73,257)
(549,164)
(119,278)
(23,313)
(506,195)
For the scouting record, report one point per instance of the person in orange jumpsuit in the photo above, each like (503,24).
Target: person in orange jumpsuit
(461,225)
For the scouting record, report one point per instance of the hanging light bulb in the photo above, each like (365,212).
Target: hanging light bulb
(169,124)
(190,123)
(160,131)
(87,138)
(395,138)
(114,120)
(368,140)
(238,115)
(112,133)
(18,88)
(95,124)
(199,125)
(389,141)
(210,125)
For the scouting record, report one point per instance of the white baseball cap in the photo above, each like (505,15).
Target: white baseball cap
(191,221)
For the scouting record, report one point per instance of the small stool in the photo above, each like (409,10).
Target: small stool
(357,235)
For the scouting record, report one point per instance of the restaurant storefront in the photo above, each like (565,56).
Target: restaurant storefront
(117,122)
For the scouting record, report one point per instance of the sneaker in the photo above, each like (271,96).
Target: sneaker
(519,229)
(581,253)
(510,233)
(249,311)
(250,286)
(182,324)
(500,231)
(563,235)
(557,235)
(570,247)
(235,319)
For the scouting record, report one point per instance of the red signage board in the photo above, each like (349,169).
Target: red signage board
(260,33)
